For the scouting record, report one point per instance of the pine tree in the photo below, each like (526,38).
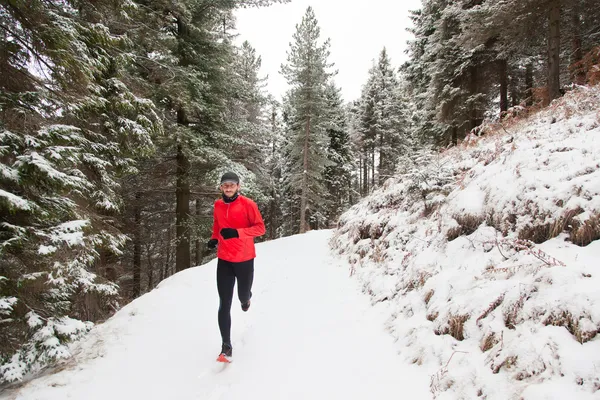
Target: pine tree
(422,53)
(307,72)
(69,129)
(382,121)
(338,174)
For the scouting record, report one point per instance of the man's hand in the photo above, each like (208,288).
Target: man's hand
(229,233)
(212,243)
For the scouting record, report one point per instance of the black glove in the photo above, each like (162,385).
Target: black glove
(212,243)
(229,233)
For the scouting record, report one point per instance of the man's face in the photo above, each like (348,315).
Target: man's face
(229,188)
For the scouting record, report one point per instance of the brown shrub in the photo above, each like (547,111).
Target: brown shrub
(428,296)
(453,233)
(457,323)
(468,224)
(566,319)
(588,67)
(508,362)
(488,342)
(432,317)
(419,282)
(541,233)
(363,232)
(510,317)
(585,233)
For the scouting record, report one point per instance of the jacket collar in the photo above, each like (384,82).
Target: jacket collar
(230,199)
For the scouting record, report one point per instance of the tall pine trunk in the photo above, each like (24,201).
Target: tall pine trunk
(149,268)
(576,43)
(365,175)
(199,250)
(554,50)
(473,112)
(382,160)
(165,271)
(182,211)
(137,245)
(529,84)
(373,163)
(272,211)
(303,198)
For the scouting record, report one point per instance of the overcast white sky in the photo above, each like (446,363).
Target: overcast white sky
(358,31)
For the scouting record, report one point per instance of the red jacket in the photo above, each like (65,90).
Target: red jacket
(241,214)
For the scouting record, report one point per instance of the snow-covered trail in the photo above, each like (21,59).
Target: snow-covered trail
(310,334)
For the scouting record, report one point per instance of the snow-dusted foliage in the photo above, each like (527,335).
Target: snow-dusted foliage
(487,255)
(51,242)
(69,129)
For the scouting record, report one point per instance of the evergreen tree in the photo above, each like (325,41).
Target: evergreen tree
(422,54)
(307,72)
(69,128)
(338,174)
(382,122)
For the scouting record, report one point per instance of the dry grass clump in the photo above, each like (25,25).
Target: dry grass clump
(542,232)
(587,70)
(512,312)
(507,363)
(417,282)
(491,308)
(572,324)
(432,317)
(580,233)
(488,342)
(585,233)
(367,231)
(468,224)
(457,323)
(454,327)
(428,296)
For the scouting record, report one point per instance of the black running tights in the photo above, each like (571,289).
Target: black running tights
(227,272)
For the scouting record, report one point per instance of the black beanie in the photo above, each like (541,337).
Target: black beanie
(230,177)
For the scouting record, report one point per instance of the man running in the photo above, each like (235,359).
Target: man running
(237,222)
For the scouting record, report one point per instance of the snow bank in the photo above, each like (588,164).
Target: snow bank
(489,258)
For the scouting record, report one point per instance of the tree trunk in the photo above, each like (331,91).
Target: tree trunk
(165,273)
(149,268)
(272,211)
(454,135)
(554,50)
(137,246)
(474,112)
(273,202)
(373,163)
(303,198)
(382,160)
(199,249)
(578,72)
(182,212)
(529,84)
(503,75)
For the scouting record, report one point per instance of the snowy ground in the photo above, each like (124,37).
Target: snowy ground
(489,257)
(310,334)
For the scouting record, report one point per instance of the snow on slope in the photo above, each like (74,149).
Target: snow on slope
(475,252)
(310,334)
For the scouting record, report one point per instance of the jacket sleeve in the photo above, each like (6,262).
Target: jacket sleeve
(216,228)
(257,226)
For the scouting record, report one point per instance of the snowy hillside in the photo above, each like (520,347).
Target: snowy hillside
(310,334)
(488,256)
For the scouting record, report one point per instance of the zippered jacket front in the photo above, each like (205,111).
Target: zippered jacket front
(241,214)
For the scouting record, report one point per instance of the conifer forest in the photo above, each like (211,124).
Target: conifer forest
(117,119)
